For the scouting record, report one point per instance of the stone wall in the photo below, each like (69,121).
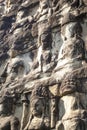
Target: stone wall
(43,64)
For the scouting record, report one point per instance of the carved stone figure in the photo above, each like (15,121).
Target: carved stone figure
(73,51)
(38,120)
(44,42)
(7,119)
(15,70)
(70,26)
(72,114)
(71,31)
(71,55)
(43,57)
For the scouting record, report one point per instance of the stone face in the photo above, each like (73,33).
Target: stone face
(43,65)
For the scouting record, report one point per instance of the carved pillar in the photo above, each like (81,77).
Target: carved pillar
(53,112)
(25,112)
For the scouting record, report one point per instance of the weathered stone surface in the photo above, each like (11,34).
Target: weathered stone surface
(43,64)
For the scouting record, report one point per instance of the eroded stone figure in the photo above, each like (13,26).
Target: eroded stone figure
(7,119)
(38,119)
(72,108)
(72,114)
(14,70)
(72,51)
(44,42)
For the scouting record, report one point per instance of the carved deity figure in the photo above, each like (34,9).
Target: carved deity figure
(7,120)
(72,51)
(44,42)
(72,115)
(44,25)
(14,70)
(38,120)
(42,17)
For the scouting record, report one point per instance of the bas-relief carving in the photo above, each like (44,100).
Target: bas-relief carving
(70,56)
(38,114)
(16,68)
(72,111)
(42,111)
(7,119)
(44,42)
(74,49)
